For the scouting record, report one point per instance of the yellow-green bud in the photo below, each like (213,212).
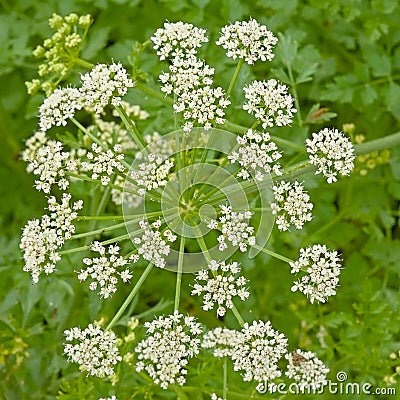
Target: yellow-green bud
(32,86)
(85,21)
(71,19)
(56,21)
(39,52)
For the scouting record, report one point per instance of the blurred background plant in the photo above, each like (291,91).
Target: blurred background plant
(342,60)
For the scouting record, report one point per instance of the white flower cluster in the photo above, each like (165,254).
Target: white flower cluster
(235,228)
(248,40)
(109,398)
(59,107)
(221,286)
(171,341)
(48,161)
(103,163)
(214,396)
(150,175)
(332,152)
(111,133)
(178,40)
(40,240)
(291,205)
(221,340)
(257,155)
(93,349)
(191,80)
(320,269)
(258,352)
(151,246)
(306,369)
(270,103)
(105,270)
(103,85)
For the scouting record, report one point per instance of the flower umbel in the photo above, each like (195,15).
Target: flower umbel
(178,40)
(59,107)
(170,342)
(151,246)
(248,40)
(103,85)
(106,269)
(222,341)
(306,369)
(320,269)
(257,155)
(221,285)
(332,152)
(258,352)
(235,228)
(292,205)
(270,103)
(41,239)
(94,349)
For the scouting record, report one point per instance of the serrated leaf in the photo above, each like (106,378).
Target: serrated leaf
(306,74)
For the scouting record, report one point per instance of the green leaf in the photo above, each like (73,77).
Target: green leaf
(393,99)
(287,48)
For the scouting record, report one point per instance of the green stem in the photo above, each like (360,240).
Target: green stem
(225,381)
(86,132)
(87,247)
(273,254)
(83,63)
(234,77)
(153,93)
(296,97)
(131,127)
(179,272)
(239,129)
(203,247)
(378,144)
(132,294)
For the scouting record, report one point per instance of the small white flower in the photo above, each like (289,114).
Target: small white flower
(320,269)
(47,160)
(258,352)
(169,344)
(108,398)
(332,152)
(151,174)
(41,240)
(235,229)
(105,270)
(220,286)
(269,102)
(248,40)
(104,85)
(291,205)
(191,81)
(306,369)
(151,246)
(221,340)
(178,40)
(257,155)
(59,107)
(93,349)
(103,163)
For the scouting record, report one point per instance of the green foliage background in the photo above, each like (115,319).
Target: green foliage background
(351,50)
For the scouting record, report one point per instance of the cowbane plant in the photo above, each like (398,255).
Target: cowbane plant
(200,196)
